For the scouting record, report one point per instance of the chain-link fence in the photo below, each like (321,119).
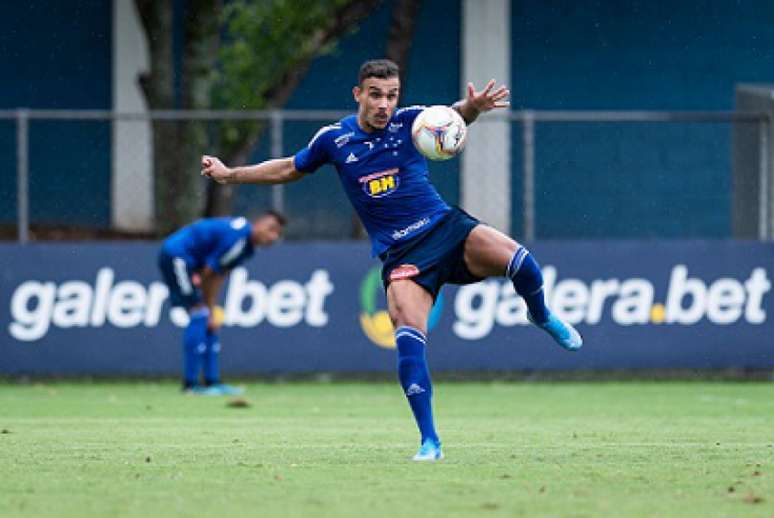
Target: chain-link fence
(546,175)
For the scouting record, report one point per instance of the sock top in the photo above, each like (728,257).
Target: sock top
(515,263)
(412,332)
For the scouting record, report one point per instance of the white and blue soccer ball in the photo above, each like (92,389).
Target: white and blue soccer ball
(439,132)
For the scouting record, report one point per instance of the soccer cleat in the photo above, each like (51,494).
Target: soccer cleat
(220,389)
(229,390)
(430,451)
(562,332)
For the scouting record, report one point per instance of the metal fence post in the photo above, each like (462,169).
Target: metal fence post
(763,180)
(22,175)
(278,190)
(528,157)
(770,170)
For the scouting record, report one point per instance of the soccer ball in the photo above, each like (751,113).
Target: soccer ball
(439,132)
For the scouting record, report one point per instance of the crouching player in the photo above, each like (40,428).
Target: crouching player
(194,261)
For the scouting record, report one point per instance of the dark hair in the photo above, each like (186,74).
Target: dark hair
(381,68)
(271,213)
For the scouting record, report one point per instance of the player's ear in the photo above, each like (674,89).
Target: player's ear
(356,93)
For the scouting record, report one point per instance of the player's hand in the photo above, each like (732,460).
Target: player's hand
(213,325)
(216,319)
(213,168)
(488,98)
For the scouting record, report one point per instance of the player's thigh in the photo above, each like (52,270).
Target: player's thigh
(179,281)
(488,251)
(409,304)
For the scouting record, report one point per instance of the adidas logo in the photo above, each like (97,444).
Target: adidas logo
(414,389)
(351,158)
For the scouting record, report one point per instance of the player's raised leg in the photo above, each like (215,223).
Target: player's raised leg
(490,253)
(409,305)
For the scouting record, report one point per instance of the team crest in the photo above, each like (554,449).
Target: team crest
(380,184)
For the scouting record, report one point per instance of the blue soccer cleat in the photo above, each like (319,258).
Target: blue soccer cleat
(562,332)
(219,389)
(430,451)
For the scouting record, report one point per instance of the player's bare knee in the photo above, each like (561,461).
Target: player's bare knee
(406,305)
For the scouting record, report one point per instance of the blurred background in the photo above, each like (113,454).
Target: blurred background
(97,121)
(639,139)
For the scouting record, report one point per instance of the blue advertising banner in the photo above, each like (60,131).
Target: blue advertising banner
(96,308)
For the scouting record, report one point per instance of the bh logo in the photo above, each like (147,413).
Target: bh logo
(375,321)
(380,184)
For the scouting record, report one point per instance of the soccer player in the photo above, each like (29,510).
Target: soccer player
(194,261)
(422,242)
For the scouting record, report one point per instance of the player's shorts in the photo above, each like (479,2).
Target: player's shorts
(178,278)
(434,258)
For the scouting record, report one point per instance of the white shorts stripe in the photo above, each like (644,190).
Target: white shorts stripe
(181,275)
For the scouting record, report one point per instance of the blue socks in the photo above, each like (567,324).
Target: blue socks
(194,346)
(415,378)
(527,279)
(212,359)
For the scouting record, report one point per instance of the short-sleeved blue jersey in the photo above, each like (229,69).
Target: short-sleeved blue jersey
(220,243)
(383,174)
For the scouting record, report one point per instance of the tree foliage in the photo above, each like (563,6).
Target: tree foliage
(267,49)
(244,55)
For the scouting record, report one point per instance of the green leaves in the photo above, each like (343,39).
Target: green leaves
(264,42)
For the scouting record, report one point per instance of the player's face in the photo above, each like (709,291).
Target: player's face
(266,230)
(377,99)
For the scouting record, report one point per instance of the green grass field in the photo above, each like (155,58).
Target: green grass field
(330,449)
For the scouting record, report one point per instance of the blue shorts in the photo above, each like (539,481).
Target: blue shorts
(177,276)
(434,258)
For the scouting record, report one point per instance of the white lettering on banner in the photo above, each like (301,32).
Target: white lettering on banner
(127,304)
(36,306)
(757,285)
(317,289)
(475,307)
(157,294)
(633,306)
(72,310)
(285,304)
(101,293)
(478,307)
(31,323)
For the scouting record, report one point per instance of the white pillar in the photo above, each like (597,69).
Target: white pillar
(132,171)
(486,162)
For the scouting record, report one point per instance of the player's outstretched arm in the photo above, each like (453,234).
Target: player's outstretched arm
(481,101)
(278,170)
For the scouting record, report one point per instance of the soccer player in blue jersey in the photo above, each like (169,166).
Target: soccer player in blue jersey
(194,261)
(422,242)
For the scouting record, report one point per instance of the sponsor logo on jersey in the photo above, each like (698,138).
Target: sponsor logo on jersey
(394,127)
(399,234)
(383,183)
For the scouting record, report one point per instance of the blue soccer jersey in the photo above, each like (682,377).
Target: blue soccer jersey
(220,243)
(383,174)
